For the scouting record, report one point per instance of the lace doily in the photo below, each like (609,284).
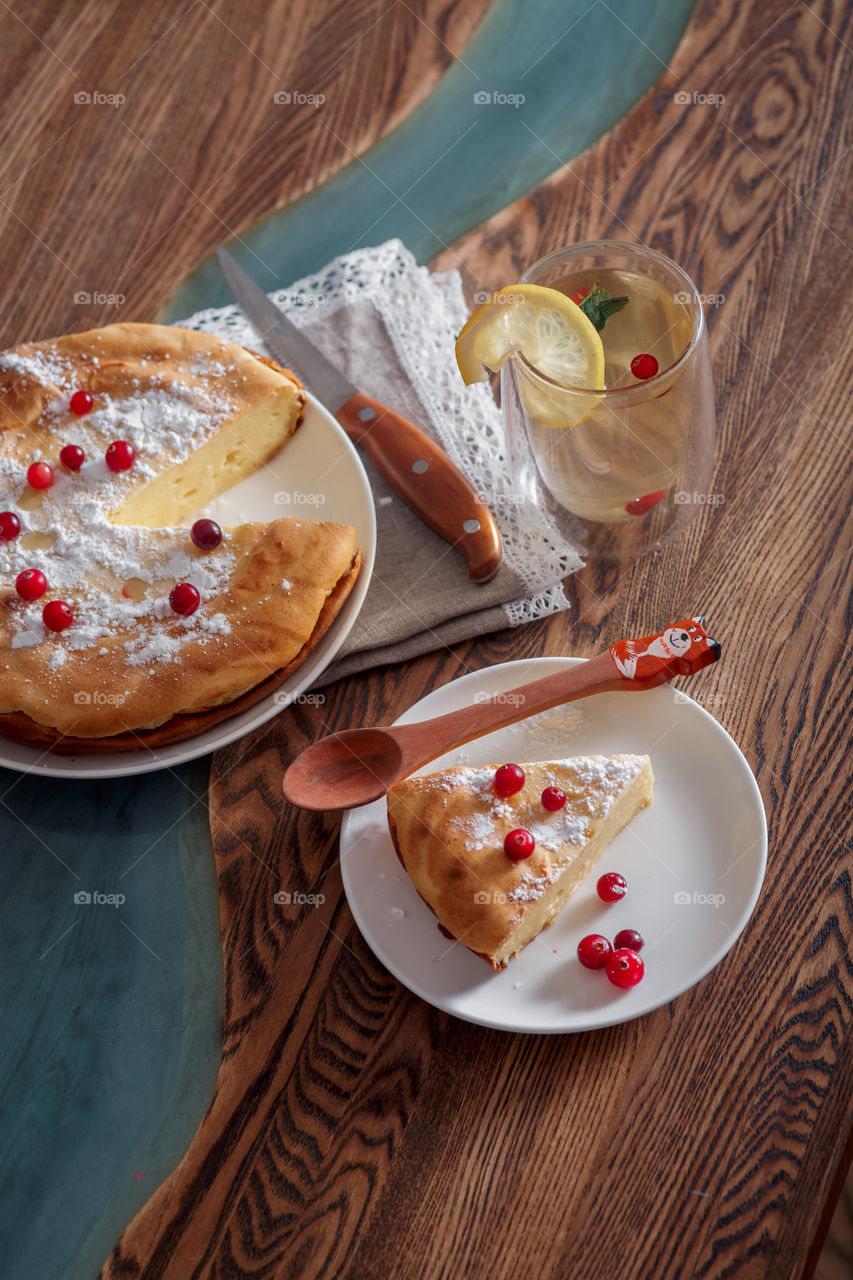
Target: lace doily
(422,313)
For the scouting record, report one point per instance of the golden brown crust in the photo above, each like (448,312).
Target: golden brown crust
(114,361)
(20,728)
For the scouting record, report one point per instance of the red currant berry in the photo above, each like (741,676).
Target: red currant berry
(31,584)
(72,457)
(579,295)
(10,526)
(593,951)
(509,779)
(640,506)
(206,534)
(553,798)
(644,366)
(40,475)
(81,403)
(611,887)
(624,967)
(56,615)
(120,455)
(184,599)
(629,938)
(519,844)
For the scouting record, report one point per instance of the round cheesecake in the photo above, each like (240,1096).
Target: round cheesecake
(140,663)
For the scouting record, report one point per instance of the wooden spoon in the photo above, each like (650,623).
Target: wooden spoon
(345,770)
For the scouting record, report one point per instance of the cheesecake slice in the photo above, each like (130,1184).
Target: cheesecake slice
(449,828)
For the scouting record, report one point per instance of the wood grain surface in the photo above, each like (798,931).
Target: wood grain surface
(198,148)
(355,1132)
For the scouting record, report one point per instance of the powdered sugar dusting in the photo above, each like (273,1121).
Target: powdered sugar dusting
(591,782)
(90,560)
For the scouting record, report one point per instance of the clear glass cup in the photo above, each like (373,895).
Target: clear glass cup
(631,466)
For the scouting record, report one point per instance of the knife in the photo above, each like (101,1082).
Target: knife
(415,467)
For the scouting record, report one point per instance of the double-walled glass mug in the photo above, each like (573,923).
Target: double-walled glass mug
(621,468)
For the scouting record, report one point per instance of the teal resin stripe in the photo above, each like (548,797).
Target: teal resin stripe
(112,1011)
(455,161)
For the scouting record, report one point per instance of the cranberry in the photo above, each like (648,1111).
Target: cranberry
(184,599)
(629,938)
(81,403)
(593,951)
(624,967)
(120,455)
(72,456)
(640,506)
(611,887)
(519,844)
(509,779)
(206,534)
(10,526)
(56,615)
(644,366)
(553,798)
(31,584)
(40,475)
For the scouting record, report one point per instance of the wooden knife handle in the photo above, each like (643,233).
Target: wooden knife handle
(425,478)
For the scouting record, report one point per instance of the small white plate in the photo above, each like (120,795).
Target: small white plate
(694,861)
(317,475)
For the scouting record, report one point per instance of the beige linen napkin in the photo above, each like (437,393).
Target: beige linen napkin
(390,326)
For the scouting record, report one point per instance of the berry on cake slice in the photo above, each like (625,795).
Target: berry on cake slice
(496,862)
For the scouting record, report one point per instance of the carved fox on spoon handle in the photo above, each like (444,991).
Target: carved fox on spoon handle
(345,770)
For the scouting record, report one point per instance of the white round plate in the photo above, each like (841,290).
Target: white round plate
(317,475)
(694,861)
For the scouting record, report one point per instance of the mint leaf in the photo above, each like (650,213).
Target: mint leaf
(599,306)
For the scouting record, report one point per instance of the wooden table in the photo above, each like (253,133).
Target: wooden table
(354,1131)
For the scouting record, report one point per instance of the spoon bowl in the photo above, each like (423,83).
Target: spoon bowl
(350,768)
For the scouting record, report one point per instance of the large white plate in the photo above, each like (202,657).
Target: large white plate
(694,861)
(316,476)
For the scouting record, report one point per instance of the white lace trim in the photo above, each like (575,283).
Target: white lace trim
(422,313)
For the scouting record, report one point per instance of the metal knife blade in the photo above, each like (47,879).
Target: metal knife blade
(415,466)
(284,340)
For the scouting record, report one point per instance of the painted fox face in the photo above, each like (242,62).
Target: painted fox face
(681,649)
(677,639)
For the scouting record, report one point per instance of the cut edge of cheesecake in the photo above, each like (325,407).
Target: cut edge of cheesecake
(245,444)
(446,875)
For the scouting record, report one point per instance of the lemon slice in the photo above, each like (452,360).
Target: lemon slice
(555,338)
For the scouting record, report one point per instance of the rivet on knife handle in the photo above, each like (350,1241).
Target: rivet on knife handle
(426,479)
